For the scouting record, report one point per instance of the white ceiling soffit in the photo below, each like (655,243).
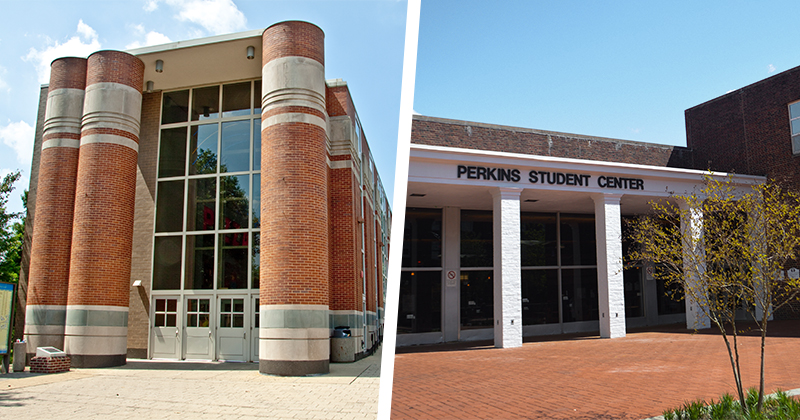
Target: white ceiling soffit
(202,61)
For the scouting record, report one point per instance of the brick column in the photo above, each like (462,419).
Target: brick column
(99,281)
(507,268)
(52,232)
(294,336)
(610,286)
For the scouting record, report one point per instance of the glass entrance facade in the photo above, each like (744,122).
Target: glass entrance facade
(207,215)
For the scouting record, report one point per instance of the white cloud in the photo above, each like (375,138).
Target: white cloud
(770,68)
(83,43)
(216,16)
(19,136)
(150,5)
(150,38)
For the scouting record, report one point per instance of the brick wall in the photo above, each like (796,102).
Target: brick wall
(50,364)
(298,39)
(747,131)
(344,255)
(469,135)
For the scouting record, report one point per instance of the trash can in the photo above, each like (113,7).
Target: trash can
(343,347)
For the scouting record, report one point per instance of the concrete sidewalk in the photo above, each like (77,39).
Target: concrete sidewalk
(193,390)
(585,377)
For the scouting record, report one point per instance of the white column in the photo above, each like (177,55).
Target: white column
(507,275)
(692,228)
(451,295)
(610,287)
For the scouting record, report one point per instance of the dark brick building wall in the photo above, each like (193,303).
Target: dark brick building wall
(470,135)
(747,131)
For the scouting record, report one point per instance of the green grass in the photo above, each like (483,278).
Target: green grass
(776,407)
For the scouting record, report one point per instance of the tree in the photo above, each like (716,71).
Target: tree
(726,246)
(11,233)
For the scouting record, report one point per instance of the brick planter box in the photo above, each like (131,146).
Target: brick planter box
(50,364)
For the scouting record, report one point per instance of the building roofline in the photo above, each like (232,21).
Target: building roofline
(738,91)
(542,132)
(197,42)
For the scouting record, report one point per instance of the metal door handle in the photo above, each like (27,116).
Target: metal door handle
(176,332)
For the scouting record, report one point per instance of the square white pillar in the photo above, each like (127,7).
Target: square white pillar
(507,264)
(610,286)
(692,228)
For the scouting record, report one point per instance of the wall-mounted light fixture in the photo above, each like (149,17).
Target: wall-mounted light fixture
(159,66)
(137,283)
(251,52)
(150,86)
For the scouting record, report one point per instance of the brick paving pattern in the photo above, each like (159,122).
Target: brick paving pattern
(187,390)
(585,377)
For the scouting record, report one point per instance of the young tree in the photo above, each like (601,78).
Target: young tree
(726,245)
(10,233)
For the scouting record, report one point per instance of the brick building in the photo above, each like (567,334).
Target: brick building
(512,232)
(213,199)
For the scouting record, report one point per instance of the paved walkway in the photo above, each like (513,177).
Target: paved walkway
(188,390)
(585,377)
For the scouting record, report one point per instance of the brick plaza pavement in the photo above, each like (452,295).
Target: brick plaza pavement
(585,377)
(188,390)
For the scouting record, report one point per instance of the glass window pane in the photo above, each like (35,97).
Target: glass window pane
(257,97)
(255,259)
(176,107)
(796,126)
(238,321)
(794,110)
(238,305)
(420,302)
(225,320)
(632,280)
(201,204)
(578,240)
(172,305)
(169,206)
(257,144)
(477,302)
(256,200)
(199,263)
(476,238)
(235,201)
(538,236)
(226,305)
(422,238)
(579,295)
(233,262)
(539,297)
(670,298)
(192,305)
(236,99)
(167,263)
(172,152)
(235,150)
(203,145)
(172,320)
(192,320)
(205,103)
(160,320)
(161,305)
(202,320)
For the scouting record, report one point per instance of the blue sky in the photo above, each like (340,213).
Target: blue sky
(620,69)
(364,46)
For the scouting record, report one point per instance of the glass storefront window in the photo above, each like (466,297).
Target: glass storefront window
(202,203)
(235,149)
(172,153)
(233,261)
(422,239)
(236,99)
(175,107)
(234,201)
(670,298)
(257,144)
(169,206)
(255,259)
(632,281)
(579,295)
(578,244)
(476,238)
(539,245)
(256,201)
(477,299)
(420,306)
(203,145)
(539,297)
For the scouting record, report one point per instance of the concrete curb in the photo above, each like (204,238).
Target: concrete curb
(791,393)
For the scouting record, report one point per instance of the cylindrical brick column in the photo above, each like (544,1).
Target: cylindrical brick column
(294,336)
(102,235)
(52,230)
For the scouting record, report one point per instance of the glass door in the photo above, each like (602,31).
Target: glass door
(254,329)
(166,329)
(233,329)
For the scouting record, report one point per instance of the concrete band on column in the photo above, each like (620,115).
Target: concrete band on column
(294,285)
(99,282)
(52,233)
(507,268)
(610,285)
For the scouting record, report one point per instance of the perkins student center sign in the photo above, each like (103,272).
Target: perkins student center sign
(547,177)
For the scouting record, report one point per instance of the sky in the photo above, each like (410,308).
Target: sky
(363,45)
(619,69)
